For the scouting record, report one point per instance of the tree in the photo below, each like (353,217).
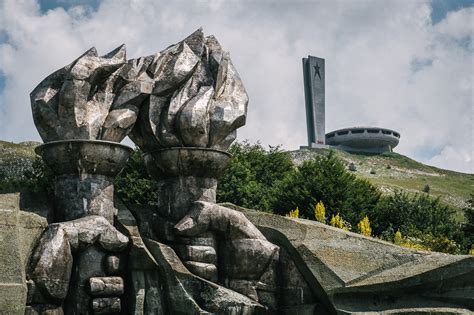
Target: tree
(134,185)
(251,175)
(325,178)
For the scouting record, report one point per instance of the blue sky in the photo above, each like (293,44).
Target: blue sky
(401,64)
(440,7)
(46,5)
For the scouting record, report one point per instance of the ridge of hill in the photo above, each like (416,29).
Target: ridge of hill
(388,171)
(391,171)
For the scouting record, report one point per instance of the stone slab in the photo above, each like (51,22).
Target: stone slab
(355,273)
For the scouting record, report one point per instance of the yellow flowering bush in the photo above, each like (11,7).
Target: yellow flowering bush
(410,243)
(295,213)
(398,237)
(339,222)
(471,251)
(320,212)
(364,226)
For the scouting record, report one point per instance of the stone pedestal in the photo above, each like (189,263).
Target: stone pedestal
(84,172)
(184,176)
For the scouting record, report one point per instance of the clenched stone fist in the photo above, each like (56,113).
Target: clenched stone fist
(89,240)
(236,252)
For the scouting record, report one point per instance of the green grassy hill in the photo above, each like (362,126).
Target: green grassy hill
(391,171)
(16,158)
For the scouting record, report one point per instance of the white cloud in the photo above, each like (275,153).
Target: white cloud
(454,158)
(386,64)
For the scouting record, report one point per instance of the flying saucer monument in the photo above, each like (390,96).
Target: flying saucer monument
(355,139)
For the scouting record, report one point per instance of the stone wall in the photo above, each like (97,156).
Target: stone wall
(19,231)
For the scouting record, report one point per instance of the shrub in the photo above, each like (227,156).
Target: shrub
(426,241)
(295,213)
(364,227)
(339,222)
(412,213)
(426,189)
(251,175)
(398,237)
(320,212)
(413,243)
(39,179)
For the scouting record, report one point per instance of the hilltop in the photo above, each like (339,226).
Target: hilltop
(390,171)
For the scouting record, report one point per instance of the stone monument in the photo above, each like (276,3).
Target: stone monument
(355,139)
(86,252)
(315,98)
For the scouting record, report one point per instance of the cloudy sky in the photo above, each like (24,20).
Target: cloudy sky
(405,65)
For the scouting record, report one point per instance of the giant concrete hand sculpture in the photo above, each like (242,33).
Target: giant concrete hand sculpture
(248,262)
(190,119)
(182,107)
(82,111)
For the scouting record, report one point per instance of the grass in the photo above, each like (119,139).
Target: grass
(395,171)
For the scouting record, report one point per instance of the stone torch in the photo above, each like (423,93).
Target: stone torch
(184,133)
(82,112)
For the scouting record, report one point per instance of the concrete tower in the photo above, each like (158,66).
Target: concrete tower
(313,73)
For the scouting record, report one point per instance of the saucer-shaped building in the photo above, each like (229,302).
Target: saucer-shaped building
(364,139)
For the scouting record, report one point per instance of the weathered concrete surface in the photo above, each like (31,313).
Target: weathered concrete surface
(84,172)
(351,273)
(362,274)
(198,98)
(91,98)
(163,285)
(19,231)
(314,91)
(52,261)
(364,139)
